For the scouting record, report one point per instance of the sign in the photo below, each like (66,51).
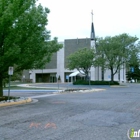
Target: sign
(132,69)
(67,77)
(10,71)
(108,76)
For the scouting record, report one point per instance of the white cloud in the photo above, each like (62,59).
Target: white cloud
(72,18)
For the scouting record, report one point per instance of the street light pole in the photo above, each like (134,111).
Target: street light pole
(10,72)
(89,77)
(57,80)
(42,74)
(9,87)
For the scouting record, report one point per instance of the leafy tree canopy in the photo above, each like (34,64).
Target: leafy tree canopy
(24,39)
(82,60)
(113,52)
(133,63)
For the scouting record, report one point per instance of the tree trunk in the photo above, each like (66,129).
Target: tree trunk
(4,84)
(87,77)
(1,87)
(102,73)
(112,75)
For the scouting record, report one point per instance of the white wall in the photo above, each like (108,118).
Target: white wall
(60,63)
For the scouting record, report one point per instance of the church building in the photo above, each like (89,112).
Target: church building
(57,66)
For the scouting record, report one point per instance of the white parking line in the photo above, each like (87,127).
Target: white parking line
(41,96)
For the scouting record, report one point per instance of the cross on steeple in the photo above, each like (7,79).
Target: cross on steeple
(92,15)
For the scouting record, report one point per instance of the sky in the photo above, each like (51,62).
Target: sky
(71,19)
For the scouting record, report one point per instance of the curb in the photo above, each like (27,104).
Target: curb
(28,100)
(33,86)
(119,86)
(81,91)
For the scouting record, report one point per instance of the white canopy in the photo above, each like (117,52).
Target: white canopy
(77,73)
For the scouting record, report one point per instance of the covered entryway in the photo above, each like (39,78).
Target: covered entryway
(42,77)
(46,77)
(76,76)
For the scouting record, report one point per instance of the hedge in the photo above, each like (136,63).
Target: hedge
(83,82)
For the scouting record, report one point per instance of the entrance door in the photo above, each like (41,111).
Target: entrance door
(53,78)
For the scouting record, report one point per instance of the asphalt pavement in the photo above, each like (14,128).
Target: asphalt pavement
(102,115)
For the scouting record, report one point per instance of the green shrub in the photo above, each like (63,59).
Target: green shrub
(5,98)
(84,82)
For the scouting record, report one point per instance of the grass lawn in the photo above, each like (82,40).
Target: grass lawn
(14,86)
(29,88)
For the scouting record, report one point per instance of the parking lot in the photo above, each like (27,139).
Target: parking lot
(102,115)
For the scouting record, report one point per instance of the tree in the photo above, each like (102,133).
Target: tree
(82,60)
(133,63)
(113,52)
(133,75)
(24,39)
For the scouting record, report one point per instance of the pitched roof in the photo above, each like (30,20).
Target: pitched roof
(92,32)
